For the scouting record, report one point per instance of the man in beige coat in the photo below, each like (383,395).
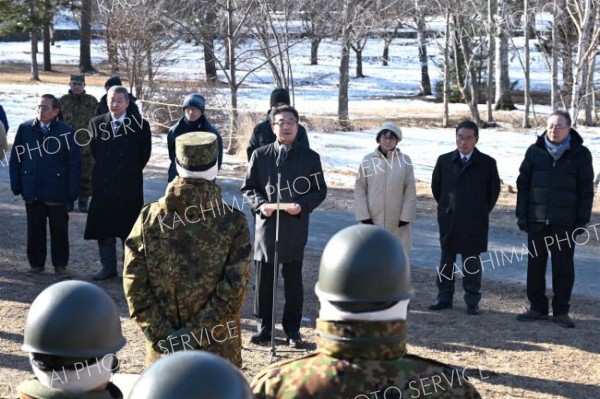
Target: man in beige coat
(384,191)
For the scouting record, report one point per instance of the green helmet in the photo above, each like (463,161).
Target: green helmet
(364,264)
(191,375)
(73,319)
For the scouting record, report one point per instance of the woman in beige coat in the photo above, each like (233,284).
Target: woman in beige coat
(384,191)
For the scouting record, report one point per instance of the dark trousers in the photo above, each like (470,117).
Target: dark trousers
(58,219)
(107,248)
(558,241)
(471,277)
(293,290)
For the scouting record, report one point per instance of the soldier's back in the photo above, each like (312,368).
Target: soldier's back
(318,376)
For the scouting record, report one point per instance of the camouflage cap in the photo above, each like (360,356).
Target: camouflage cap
(77,79)
(196,151)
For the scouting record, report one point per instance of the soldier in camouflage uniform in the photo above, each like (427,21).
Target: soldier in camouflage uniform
(187,261)
(76,110)
(364,289)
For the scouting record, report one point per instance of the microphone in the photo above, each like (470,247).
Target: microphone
(282,154)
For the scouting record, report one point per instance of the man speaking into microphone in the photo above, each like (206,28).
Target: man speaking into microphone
(301,190)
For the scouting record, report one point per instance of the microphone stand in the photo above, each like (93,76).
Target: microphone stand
(276,271)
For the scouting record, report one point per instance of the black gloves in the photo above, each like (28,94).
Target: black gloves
(522,225)
(367,221)
(402,223)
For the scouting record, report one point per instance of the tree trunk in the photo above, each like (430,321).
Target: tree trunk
(35,75)
(111,47)
(490,65)
(554,97)
(386,53)
(210,63)
(446,117)
(425,89)
(526,71)
(503,100)
(590,97)
(233,118)
(359,64)
(47,66)
(343,116)
(314,50)
(581,64)
(85,57)
(461,46)
(567,29)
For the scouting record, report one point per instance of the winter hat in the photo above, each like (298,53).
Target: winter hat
(77,79)
(392,128)
(114,81)
(194,100)
(280,95)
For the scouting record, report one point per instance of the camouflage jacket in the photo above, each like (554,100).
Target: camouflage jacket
(33,389)
(361,360)
(77,110)
(187,265)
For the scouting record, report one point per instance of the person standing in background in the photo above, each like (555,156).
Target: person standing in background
(554,199)
(263,133)
(76,110)
(384,190)
(466,186)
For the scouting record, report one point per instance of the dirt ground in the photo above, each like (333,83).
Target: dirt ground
(503,358)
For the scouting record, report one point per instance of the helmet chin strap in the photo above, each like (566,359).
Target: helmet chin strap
(395,312)
(74,381)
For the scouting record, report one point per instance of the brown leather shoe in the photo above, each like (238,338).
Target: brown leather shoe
(61,271)
(35,270)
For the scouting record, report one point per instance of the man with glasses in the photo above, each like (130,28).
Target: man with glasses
(466,185)
(554,205)
(302,189)
(45,168)
(76,110)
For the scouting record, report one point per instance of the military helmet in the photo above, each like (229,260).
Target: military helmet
(364,264)
(73,319)
(190,375)
(196,151)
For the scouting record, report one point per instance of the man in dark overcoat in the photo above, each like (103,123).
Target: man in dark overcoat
(121,145)
(303,188)
(554,205)
(466,185)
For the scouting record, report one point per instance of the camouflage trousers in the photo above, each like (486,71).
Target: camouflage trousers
(87,164)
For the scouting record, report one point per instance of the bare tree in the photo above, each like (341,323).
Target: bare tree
(388,16)
(85,57)
(315,15)
(491,5)
(526,93)
(503,29)
(425,89)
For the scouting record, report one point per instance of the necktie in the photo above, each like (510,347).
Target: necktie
(45,130)
(116,126)
(464,160)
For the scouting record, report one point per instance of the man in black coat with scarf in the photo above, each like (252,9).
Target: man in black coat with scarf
(466,185)
(554,205)
(121,144)
(303,188)
(263,134)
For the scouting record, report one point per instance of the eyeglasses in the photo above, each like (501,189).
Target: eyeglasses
(465,139)
(389,138)
(282,123)
(42,107)
(554,127)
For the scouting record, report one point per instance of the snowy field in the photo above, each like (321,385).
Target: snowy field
(316,94)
